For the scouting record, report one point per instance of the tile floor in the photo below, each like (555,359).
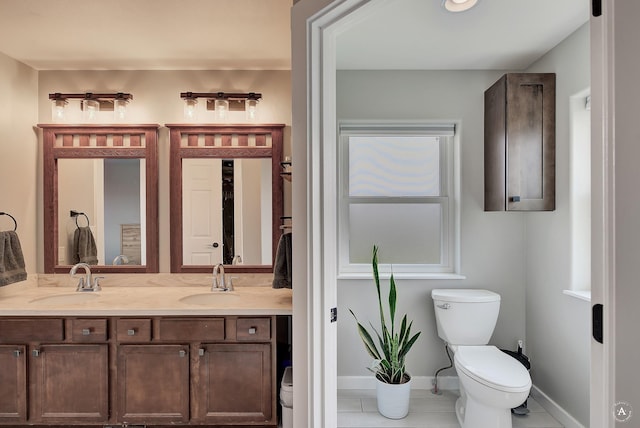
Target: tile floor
(357,409)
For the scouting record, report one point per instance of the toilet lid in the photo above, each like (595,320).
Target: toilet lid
(493,368)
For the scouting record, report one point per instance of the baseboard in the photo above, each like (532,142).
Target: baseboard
(554,409)
(417,382)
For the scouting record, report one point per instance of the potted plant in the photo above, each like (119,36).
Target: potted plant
(389,347)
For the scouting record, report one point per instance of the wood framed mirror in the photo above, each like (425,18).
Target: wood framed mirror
(104,177)
(226,197)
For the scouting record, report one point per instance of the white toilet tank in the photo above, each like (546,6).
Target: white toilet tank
(465,316)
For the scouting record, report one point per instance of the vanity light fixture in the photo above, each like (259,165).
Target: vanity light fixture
(90,104)
(458,5)
(222,103)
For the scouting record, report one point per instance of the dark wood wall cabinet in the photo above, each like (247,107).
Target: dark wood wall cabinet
(519,143)
(153,371)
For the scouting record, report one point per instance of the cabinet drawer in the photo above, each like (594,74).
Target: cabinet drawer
(133,330)
(252,329)
(31,330)
(89,330)
(190,329)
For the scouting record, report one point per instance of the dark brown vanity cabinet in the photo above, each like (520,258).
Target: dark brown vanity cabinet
(65,371)
(519,143)
(46,378)
(69,383)
(13,384)
(153,383)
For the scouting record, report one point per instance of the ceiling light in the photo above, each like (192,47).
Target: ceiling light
(458,5)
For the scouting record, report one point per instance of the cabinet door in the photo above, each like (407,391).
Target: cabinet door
(530,141)
(153,383)
(519,143)
(69,383)
(13,384)
(234,384)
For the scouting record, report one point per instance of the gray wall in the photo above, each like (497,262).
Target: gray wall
(557,325)
(492,244)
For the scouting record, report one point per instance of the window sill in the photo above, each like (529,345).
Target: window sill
(579,294)
(402,275)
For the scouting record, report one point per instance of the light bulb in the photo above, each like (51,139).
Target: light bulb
(119,109)
(222,109)
(190,112)
(58,110)
(251,108)
(90,109)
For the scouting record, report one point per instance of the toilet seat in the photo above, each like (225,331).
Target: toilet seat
(492,368)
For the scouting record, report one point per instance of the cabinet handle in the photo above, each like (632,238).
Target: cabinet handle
(17,353)
(515,199)
(86,331)
(253,330)
(131,332)
(201,352)
(35,352)
(183,353)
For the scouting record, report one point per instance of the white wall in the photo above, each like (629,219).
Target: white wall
(19,153)
(492,243)
(557,325)
(156,99)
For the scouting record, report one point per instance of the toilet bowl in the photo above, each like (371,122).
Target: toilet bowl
(491,383)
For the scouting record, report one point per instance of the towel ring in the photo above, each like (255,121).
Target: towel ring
(75,214)
(15,223)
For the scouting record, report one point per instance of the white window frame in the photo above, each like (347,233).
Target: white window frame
(449,199)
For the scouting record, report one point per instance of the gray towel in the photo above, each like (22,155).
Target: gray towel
(11,259)
(282,265)
(84,246)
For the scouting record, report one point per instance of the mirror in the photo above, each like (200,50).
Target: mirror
(226,197)
(106,195)
(100,197)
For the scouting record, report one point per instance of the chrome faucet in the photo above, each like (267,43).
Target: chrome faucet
(120,258)
(86,283)
(219,281)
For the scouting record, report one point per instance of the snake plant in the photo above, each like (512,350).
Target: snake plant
(388,346)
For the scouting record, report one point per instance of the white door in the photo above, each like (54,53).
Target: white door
(201,211)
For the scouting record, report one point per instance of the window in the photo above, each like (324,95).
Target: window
(398,190)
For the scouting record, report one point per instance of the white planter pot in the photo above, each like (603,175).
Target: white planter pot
(393,399)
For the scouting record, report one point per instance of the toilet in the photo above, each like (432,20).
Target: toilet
(491,382)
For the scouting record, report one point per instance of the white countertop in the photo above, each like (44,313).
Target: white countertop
(145,298)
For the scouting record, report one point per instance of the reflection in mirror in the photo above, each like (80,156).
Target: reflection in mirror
(110,193)
(226,197)
(109,175)
(226,205)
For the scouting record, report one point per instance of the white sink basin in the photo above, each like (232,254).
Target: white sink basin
(205,299)
(62,299)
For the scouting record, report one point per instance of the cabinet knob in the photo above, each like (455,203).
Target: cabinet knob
(183,353)
(35,352)
(17,353)
(131,332)
(86,331)
(253,330)
(201,352)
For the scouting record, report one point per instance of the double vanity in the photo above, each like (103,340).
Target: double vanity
(140,347)
(169,352)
